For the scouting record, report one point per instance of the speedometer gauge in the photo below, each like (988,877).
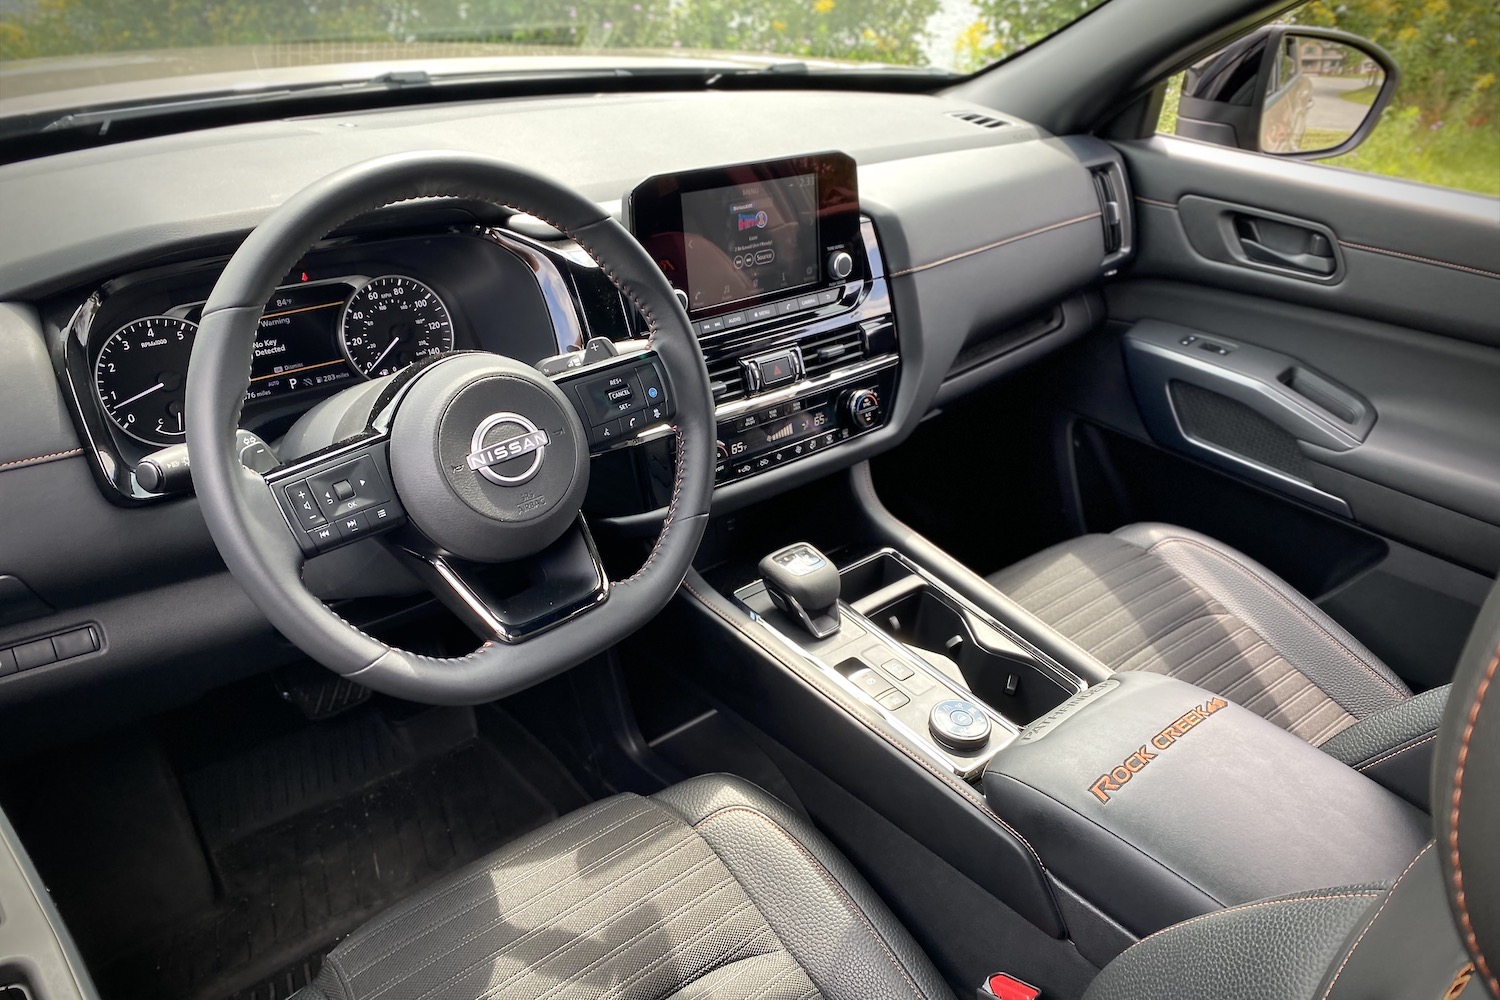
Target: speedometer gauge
(392,322)
(141,377)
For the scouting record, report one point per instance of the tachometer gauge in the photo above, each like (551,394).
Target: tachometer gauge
(141,377)
(391,322)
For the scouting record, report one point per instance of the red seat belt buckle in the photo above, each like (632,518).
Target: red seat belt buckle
(1001,986)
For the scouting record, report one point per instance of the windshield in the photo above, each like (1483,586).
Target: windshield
(48,47)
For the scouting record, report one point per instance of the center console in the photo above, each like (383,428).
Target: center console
(1099,807)
(959,684)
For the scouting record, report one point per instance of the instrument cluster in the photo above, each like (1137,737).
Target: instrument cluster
(314,335)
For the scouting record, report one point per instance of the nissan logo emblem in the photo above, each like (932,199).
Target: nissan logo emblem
(531,440)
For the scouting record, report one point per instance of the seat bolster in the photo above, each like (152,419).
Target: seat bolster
(1311,641)
(846,940)
(1394,746)
(1279,947)
(1406,947)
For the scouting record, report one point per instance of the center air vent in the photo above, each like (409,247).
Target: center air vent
(974,118)
(834,349)
(727,380)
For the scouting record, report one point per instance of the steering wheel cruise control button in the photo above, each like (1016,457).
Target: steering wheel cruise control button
(959,724)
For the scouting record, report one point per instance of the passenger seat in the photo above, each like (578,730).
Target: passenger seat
(1164,599)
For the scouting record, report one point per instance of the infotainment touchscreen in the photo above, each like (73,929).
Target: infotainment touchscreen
(730,236)
(749,239)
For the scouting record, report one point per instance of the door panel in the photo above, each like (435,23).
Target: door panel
(1333,337)
(1415,255)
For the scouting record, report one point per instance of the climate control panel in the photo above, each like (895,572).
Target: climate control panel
(763,434)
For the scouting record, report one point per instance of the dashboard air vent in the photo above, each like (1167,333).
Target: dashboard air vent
(1109,186)
(727,380)
(834,349)
(974,118)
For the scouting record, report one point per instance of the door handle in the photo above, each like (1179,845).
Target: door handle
(1283,245)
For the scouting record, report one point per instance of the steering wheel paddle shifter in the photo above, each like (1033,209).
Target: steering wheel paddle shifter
(804,583)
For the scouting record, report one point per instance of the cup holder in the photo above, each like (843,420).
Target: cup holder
(955,639)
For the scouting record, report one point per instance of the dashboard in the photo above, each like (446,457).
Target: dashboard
(892,255)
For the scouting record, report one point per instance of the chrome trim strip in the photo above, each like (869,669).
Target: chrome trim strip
(567,328)
(511,635)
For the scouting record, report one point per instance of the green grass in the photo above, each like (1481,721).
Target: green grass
(1364,95)
(1454,155)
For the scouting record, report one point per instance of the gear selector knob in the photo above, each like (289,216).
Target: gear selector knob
(804,583)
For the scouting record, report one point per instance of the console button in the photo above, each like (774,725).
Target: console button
(840,264)
(870,682)
(353,526)
(807,301)
(653,390)
(732,320)
(325,537)
(776,369)
(759,313)
(606,433)
(34,654)
(711,325)
(632,422)
(893,699)
(363,482)
(299,497)
(788,306)
(384,515)
(897,669)
(7,662)
(75,643)
(746,422)
(828,296)
(608,396)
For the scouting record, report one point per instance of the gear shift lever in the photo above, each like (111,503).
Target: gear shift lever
(804,583)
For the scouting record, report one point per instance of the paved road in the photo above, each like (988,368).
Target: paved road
(1329,109)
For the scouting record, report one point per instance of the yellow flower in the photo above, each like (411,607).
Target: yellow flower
(823,6)
(778,25)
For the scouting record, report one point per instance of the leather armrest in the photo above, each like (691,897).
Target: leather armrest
(1158,801)
(1394,746)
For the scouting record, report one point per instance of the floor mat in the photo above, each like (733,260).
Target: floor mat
(310,836)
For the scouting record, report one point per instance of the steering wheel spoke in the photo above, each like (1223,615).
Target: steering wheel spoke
(338,496)
(511,602)
(617,396)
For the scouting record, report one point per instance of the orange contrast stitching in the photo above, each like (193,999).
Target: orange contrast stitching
(1461,903)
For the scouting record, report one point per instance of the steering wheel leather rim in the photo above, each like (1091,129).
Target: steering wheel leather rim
(245,521)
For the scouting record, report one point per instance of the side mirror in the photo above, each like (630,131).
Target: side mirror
(1304,93)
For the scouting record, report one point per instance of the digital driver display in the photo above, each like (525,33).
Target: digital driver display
(748,240)
(296,344)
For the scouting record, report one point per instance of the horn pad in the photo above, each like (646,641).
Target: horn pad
(488,457)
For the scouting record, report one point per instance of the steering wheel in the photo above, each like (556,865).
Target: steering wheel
(462,463)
